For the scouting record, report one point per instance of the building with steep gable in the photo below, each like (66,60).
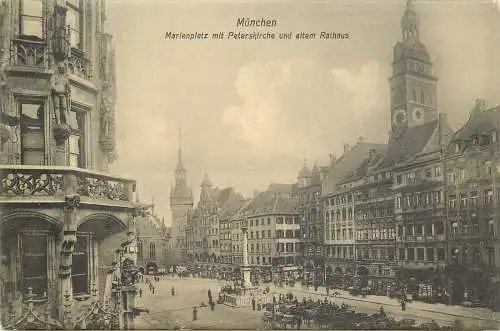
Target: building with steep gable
(472,200)
(343,214)
(209,229)
(153,252)
(274,235)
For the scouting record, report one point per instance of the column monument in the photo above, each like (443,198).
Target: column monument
(245,269)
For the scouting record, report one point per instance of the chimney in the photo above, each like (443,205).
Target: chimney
(346,148)
(361,139)
(332,158)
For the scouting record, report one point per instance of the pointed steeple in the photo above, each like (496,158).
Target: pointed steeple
(180,163)
(410,22)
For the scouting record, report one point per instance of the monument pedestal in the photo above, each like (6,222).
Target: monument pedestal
(248,292)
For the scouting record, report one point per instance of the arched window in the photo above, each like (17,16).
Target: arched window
(422,97)
(152,251)
(414,95)
(139,249)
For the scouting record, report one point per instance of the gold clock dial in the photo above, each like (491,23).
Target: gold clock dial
(399,116)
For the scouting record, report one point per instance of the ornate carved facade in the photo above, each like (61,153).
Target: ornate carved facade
(57,239)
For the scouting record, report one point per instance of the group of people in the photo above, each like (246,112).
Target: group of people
(150,284)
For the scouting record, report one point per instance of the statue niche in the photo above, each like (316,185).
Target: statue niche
(108,97)
(61,101)
(61,35)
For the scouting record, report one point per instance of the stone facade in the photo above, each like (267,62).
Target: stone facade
(153,252)
(67,225)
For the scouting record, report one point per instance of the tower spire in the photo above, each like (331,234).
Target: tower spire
(410,22)
(180,163)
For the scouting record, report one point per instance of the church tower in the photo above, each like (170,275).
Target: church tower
(181,201)
(413,86)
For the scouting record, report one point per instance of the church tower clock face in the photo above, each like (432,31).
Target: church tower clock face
(399,116)
(418,116)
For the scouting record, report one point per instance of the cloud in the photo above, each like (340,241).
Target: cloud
(303,107)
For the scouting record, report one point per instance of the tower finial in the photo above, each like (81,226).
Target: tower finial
(180,164)
(409,4)
(179,137)
(410,22)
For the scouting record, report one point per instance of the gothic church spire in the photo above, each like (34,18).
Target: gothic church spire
(180,163)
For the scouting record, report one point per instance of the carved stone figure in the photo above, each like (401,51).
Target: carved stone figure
(60,41)
(129,272)
(61,94)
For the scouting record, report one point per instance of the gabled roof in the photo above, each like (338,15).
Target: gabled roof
(350,160)
(411,142)
(231,202)
(280,188)
(269,202)
(363,169)
(479,123)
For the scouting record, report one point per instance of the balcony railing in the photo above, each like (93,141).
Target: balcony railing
(29,53)
(57,181)
(78,65)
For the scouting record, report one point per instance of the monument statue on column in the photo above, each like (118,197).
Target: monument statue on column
(245,268)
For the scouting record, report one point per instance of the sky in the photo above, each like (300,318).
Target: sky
(251,111)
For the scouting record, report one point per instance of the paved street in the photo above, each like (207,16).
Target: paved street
(167,311)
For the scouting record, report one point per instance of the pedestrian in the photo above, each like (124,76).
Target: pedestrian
(140,292)
(209,295)
(153,289)
(195,313)
(299,321)
(173,291)
(253,303)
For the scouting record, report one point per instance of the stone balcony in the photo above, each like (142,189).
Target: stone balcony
(31,53)
(50,184)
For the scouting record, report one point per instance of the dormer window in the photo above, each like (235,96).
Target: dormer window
(457,147)
(475,140)
(494,137)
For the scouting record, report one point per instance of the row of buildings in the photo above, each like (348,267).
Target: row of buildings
(420,211)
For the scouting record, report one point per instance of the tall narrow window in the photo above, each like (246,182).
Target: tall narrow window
(79,272)
(34,256)
(31,19)
(76,139)
(152,251)
(74,21)
(139,249)
(32,134)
